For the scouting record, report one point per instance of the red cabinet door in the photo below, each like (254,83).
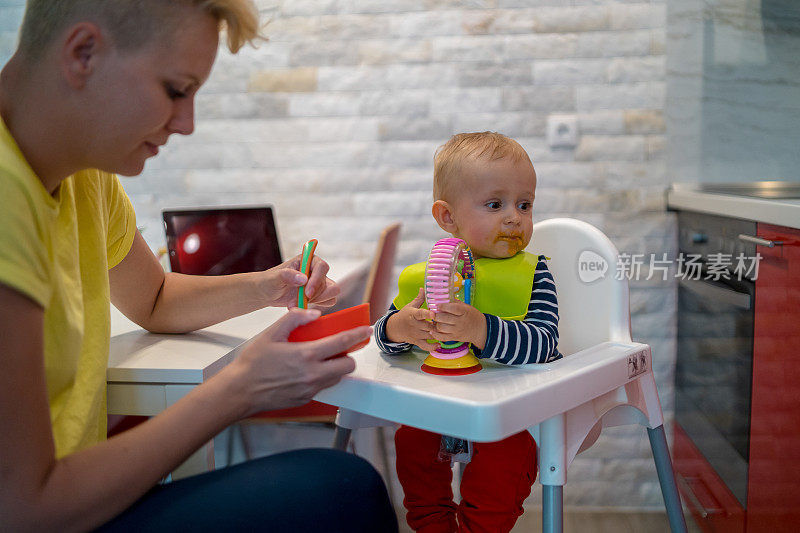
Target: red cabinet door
(773,489)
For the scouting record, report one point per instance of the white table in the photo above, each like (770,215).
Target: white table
(148,372)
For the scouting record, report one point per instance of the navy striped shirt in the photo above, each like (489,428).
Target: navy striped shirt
(513,342)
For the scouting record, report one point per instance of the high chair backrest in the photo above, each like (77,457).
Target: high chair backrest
(592,304)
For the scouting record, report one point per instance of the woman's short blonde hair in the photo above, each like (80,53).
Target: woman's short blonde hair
(132,23)
(449,160)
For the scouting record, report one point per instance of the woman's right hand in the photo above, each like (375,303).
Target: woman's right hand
(412,324)
(273,373)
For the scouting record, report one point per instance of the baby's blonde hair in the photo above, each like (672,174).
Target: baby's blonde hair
(132,23)
(449,160)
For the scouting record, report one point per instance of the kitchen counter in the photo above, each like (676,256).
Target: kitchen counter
(692,197)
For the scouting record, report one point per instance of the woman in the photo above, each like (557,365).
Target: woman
(100,85)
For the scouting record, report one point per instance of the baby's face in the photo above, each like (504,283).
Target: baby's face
(493,211)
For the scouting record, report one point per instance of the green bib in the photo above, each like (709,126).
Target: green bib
(502,286)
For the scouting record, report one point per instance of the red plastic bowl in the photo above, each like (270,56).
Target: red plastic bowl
(328,325)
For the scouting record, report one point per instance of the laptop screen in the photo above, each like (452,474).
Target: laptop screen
(217,241)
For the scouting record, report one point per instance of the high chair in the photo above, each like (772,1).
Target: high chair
(604,379)
(591,313)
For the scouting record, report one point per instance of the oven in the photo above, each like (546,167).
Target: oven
(714,367)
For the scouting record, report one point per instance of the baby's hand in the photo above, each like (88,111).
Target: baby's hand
(410,324)
(457,321)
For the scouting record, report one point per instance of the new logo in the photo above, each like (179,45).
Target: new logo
(591,266)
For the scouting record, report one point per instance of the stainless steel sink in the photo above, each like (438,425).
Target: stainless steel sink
(770,190)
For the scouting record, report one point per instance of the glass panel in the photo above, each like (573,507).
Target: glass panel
(733,81)
(713,377)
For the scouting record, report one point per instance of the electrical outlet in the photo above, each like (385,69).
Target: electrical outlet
(562,131)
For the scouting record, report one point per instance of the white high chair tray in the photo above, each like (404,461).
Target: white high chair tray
(489,405)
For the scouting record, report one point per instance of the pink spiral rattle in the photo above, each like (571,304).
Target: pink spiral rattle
(450,277)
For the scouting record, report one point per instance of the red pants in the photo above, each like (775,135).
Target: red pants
(495,483)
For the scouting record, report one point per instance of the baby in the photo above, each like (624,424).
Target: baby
(483,188)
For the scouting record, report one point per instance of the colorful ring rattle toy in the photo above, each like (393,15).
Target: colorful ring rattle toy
(450,277)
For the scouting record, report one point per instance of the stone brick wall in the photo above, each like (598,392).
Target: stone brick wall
(336,119)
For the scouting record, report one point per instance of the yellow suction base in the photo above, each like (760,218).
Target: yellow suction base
(466,364)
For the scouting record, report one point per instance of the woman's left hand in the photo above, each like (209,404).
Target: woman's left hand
(280,284)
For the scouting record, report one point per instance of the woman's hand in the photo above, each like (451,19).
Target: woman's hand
(411,324)
(280,284)
(275,374)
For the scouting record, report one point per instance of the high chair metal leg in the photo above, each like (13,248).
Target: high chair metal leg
(552,449)
(666,477)
(552,508)
(341,438)
(231,445)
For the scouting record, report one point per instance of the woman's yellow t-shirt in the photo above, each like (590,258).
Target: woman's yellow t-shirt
(57,251)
